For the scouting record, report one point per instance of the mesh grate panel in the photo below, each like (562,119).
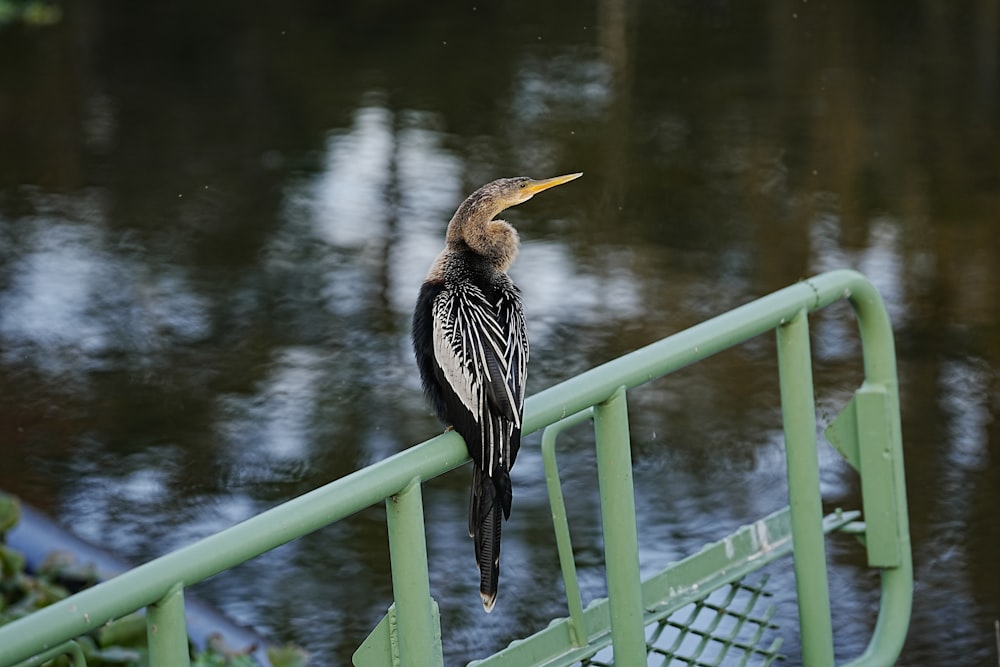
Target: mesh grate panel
(726,627)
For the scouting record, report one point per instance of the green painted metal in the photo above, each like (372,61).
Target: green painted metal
(560,525)
(677,586)
(70,648)
(842,433)
(166,630)
(418,628)
(877,481)
(738,605)
(381,646)
(621,542)
(410,633)
(798,411)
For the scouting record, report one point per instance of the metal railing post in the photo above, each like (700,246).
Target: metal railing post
(880,370)
(418,626)
(166,631)
(799,417)
(560,524)
(621,546)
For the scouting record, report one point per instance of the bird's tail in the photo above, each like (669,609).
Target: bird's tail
(484,529)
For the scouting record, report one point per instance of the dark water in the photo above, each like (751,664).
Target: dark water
(214,220)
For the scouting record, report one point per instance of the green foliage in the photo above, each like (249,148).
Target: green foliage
(10,512)
(29,12)
(287,656)
(120,643)
(210,658)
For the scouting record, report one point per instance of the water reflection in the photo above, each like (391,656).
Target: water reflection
(208,258)
(49,319)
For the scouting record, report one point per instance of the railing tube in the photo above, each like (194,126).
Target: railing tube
(805,503)
(70,649)
(560,524)
(621,550)
(166,631)
(418,627)
(897,583)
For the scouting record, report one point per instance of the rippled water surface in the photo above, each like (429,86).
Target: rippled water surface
(214,221)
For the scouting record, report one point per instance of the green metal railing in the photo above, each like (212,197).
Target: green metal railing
(867,434)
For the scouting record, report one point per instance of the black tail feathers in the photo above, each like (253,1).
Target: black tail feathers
(487,496)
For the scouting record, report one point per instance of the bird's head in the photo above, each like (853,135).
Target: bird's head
(473,225)
(513,191)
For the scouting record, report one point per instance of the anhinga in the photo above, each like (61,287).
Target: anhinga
(472,351)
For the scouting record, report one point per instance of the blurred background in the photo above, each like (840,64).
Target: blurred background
(215,217)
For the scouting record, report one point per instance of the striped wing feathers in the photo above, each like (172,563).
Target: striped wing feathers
(482,351)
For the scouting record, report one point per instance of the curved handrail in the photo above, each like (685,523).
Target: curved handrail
(152,582)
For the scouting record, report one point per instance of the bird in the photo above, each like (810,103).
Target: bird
(471,348)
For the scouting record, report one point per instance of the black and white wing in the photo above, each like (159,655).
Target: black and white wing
(481,351)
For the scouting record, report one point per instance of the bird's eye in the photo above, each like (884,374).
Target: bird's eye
(523,184)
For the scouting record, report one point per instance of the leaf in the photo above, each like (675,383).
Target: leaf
(11,563)
(10,512)
(287,656)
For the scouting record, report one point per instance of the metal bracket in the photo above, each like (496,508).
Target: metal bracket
(381,647)
(861,433)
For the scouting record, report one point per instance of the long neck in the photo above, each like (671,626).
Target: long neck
(473,227)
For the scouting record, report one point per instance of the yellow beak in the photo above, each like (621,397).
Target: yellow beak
(534,187)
